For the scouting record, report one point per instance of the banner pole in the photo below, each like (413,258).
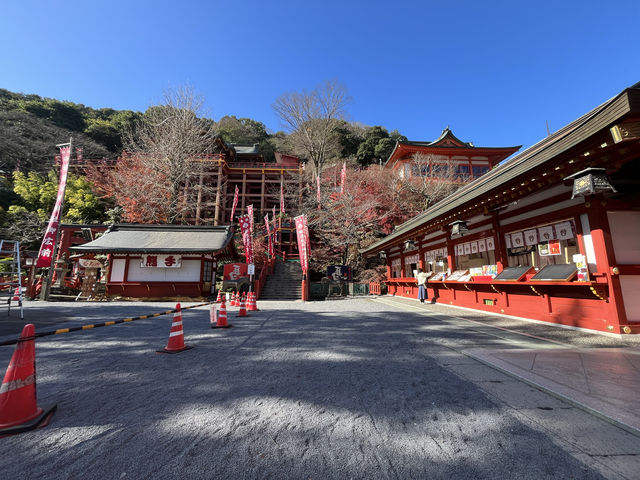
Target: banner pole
(46,282)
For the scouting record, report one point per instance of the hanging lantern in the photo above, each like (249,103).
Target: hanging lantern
(590,181)
(382,255)
(459,227)
(409,245)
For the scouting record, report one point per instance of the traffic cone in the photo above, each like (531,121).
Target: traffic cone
(244,298)
(222,318)
(232,300)
(252,307)
(213,315)
(219,296)
(243,309)
(19,411)
(176,336)
(16,295)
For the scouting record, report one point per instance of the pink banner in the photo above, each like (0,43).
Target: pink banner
(269,239)
(235,204)
(318,189)
(245,229)
(250,213)
(45,256)
(302,231)
(343,176)
(275,225)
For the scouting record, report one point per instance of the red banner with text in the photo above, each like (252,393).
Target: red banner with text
(45,255)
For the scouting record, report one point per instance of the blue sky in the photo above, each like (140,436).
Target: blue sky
(495,72)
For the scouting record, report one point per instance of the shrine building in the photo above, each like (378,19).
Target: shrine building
(551,235)
(447,156)
(157,261)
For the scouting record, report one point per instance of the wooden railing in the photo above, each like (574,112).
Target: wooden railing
(267,269)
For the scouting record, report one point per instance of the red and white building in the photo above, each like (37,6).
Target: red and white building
(542,236)
(466,160)
(155,261)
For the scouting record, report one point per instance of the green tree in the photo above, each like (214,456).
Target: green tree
(377,145)
(38,193)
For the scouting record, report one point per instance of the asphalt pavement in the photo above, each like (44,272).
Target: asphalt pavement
(346,389)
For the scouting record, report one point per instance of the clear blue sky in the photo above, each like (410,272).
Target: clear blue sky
(495,72)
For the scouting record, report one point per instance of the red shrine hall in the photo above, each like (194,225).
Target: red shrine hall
(552,234)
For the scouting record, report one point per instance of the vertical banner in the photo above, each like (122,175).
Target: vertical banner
(275,226)
(245,229)
(318,189)
(235,204)
(281,196)
(250,213)
(45,255)
(269,239)
(302,232)
(343,177)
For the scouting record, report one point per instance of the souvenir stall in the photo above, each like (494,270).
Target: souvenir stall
(551,234)
(156,261)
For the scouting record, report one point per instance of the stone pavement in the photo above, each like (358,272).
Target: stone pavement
(604,380)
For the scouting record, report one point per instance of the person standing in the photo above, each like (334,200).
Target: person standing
(422,285)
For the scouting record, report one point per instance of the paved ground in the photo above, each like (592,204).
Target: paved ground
(346,389)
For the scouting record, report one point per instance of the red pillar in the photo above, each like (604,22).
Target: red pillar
(605,261)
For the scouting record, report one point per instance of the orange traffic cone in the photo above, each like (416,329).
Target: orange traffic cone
(19,411)
(221,320)
(243,309)
(213,315)
(16,295)
(236,299)
(219,296)
(252,302)
(176,336)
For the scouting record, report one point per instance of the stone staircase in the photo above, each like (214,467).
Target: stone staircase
(285,283)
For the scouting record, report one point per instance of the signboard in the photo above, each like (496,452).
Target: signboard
(457,274)
(339,273)
(90,263)
(556,273)
(234,271)
(161,261)
(582,266)
(547,249)
(251,269)
(513,274)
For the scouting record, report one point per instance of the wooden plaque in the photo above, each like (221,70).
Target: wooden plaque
(556,273)
(513,274)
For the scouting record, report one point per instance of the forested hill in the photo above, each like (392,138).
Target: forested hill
(31,126)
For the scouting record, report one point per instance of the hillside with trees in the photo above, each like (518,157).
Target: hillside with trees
(155,145)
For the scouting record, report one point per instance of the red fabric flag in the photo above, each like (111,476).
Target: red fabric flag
(302,232)
(318,189)
(45,255)
(250,213)
(245,227)
(343,177)
(235,204)
(269,239)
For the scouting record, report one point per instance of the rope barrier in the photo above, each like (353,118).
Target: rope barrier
(103,324)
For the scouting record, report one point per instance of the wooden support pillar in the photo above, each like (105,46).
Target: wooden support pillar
(606,260)
(262,199)
(199,200)
(501,249)
(216,217)
(244,190)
